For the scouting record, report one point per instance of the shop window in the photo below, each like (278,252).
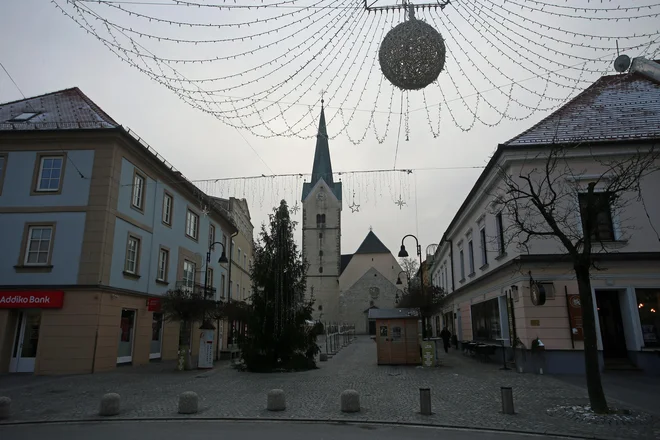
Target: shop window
(486,320)
(648,304)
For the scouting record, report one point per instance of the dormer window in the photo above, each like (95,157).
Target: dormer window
(24,117)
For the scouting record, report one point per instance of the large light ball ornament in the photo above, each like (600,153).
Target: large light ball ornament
(412,55)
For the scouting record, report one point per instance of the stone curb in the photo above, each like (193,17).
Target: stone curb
(303,420)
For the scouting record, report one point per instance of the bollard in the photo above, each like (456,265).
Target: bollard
(507,400)
(188,402)
(110,404)
(276,400)
(350,401)
(425,401)
(5,407)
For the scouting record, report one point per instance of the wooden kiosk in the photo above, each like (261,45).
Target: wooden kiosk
(398,336)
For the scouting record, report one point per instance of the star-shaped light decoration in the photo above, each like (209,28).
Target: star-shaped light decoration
(295,208)
(205,210)
(354,207)
(400,202)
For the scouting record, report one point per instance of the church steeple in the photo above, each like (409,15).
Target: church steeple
(322,165)
(322,168)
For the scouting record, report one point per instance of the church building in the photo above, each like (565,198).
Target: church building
(344,287)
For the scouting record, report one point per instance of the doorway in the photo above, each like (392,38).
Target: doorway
(372,327)
(611,324)
(155,347)
(26,339)
(126,335)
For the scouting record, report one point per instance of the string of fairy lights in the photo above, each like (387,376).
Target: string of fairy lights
(261,67)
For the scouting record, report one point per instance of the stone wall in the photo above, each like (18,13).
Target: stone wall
(372,289)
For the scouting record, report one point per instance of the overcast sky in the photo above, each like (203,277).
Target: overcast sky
(45,51)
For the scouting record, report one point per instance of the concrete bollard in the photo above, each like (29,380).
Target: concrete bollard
(276,401)
(350,401)
(110,405)
(5,407)
(425,401)
(507,400)
(323,357)
(188,402)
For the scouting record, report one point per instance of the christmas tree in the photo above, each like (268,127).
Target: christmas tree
(279,336)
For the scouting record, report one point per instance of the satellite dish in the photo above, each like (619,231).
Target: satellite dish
(622,63)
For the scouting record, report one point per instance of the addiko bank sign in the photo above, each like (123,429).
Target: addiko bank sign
(32,299)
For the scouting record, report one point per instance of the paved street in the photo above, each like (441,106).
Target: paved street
(465,393)
(181,429)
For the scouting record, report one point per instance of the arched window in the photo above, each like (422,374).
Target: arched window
(321,269)
(322,218)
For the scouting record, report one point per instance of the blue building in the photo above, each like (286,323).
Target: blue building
(94,227)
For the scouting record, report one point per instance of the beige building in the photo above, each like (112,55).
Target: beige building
(505,287)
(241,249)
(95,227)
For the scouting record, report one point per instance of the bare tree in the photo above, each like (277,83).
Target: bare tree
(429,302)
(410,266)
(547,198)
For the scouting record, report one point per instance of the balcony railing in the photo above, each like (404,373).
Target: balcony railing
(196,288)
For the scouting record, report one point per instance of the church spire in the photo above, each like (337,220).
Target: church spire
(322,166)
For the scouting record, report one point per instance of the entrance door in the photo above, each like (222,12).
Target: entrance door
(611,324)
(383,343)
(24,352)
(398,342)
(155,348)
(126,333)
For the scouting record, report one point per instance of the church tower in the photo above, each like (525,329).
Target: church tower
(321,229)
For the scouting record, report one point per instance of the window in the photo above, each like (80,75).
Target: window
(211,236)
(168,202)
(222,285)
(484,251)
(224,245)
(320,234)
(321,269)
(243,292)
(163,264)
(39,246)
(244,262)
(603,230)
(49,178)
(209,278)
(471,257)
(442,279)
(3,162)
(192,224)
(188,280)
(24,117)
(320,220)
(486,320)
(238,260)
(500,233)
(132,255)
(138,191)
(447,278)
(648,304)
(462,257)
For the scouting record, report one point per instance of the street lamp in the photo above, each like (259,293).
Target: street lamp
(403,254)
(221,260)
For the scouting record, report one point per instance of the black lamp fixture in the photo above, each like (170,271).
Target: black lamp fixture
(398,281)
(398,277)
(223,257)
(403,253)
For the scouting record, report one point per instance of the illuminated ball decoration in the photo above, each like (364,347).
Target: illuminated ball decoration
(412,55)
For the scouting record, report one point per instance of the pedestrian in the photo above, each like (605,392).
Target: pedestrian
(445,335)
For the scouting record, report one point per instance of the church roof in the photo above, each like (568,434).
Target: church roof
(345,259)
(322,168)
(372,245)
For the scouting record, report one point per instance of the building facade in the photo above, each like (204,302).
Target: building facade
(95,226)
(495,277)
(321,231)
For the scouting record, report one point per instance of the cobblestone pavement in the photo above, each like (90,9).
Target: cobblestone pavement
(465,393)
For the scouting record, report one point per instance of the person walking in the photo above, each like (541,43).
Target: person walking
(445,335)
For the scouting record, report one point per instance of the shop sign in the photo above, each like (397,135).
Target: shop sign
(153,304)
(206,348)
(428,353)
(32,299)
(575,313)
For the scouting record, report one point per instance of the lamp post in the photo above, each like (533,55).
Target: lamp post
(403,254)
(398,278)
(208,331)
